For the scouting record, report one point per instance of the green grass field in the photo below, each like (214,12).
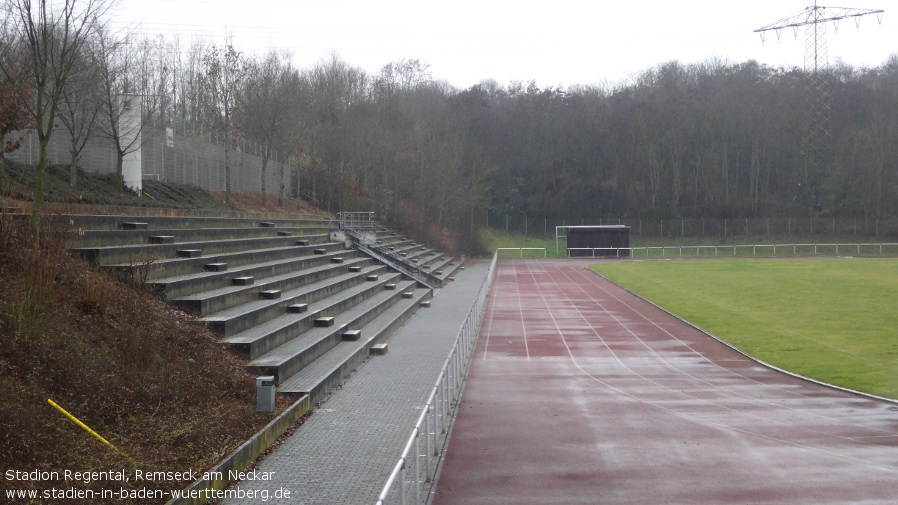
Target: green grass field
(834,319)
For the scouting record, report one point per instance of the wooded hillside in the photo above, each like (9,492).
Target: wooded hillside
(717,139)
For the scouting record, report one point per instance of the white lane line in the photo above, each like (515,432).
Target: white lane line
(521,311)
(594,280)
(686,415)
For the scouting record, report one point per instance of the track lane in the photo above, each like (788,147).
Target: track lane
(622,403)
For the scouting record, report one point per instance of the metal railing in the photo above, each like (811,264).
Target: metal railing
(361,228)
(415,470)
(389,260)
(522,249)
(303,194)
(693,251)
(356,220)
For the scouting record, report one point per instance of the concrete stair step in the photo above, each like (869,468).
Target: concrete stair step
(227,296)
(331,368)
(115,222)
(200,281)
(291,357)
(187,265)
(131,236)
(141,254)
(262,338)
(340,291)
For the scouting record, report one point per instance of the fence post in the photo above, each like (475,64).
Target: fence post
(417,469)
(402,484)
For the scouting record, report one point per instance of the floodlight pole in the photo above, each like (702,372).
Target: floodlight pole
(817,98)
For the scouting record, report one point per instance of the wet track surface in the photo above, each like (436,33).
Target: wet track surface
(582,393)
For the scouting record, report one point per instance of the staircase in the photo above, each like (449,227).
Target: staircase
(425,265)
(302,300)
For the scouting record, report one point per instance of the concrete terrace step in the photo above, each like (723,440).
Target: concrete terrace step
(185,264)
(330,369)
(263,338)
(180,286)
(229,295)
(146,254)
(96,238)
(115,222)
(441,271)
(291,357)
(418,252)
(339,291)
(431,260)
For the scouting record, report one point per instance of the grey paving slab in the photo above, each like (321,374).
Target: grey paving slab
(345,451)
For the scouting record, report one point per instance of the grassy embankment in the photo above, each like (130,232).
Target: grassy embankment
(830,319)
(144,375)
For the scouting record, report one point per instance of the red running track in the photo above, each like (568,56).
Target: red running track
(582,393)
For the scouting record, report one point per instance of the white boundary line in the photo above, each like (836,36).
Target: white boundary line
(749,356)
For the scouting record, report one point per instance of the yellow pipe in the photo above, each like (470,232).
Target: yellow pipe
(79,423)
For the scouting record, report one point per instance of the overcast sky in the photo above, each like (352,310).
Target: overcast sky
(562,42)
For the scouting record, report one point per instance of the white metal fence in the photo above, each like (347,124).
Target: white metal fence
(685,251)
(535,225)
(522,249)
(413,474)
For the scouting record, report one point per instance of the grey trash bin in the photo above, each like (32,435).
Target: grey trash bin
(265,394)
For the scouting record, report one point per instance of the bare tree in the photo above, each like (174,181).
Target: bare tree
(80,106)
(16,90)
(224,72)
(266,99)
(52,34)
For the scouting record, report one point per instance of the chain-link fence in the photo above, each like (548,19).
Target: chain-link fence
(188,156)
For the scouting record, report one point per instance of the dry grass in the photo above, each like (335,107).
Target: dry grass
(141,373)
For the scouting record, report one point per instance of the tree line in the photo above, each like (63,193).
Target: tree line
(715,139)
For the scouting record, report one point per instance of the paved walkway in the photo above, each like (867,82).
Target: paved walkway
(579,392)
(345,451)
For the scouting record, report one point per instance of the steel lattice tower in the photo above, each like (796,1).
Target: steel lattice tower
(817,125)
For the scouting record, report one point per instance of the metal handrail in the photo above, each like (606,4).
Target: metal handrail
(396,265)
(442,402)
(357,220)
(310,198)
(354,228)
(522,249)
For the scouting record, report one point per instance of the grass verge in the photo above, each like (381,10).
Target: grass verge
(830,319)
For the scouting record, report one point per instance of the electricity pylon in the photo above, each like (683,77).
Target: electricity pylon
(817,99)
